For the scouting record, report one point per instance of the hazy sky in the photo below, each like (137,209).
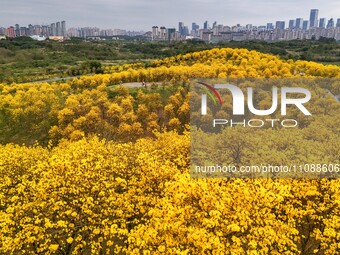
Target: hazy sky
(143,14)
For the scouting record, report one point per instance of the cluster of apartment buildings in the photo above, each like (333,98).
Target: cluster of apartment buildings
(298,28)
(295,29)
(58,30)
(54,29)
(95,32)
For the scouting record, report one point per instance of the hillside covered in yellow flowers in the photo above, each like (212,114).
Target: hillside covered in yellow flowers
(88,166)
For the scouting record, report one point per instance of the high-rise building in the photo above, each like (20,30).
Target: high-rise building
(30,30)
(194,29)
(23,31)
(313,18)
(270,26)
(45,30)
(53,31)
(291,24)
(162,34)
(193,26)
(330,23)
(298,23)
(206,25)
(37,30)
(155,33)
(214,24)
(322,22)
(10,32)
(171,34)
(261,28)
(338,23)
(17,30)
(305,25)
(185,31)
(181,28)
(63,28)
(2,31)
(280,25)
(58,28)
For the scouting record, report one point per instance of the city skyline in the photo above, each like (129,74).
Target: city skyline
(297,28)
(296,23)
(143,14)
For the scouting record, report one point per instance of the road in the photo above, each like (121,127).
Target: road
(127,84)
(139,84)
(55,79)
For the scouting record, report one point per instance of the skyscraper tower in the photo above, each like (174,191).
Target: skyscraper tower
(155,33)
(298,23)
(270,26)
(63,28)
(53,31)
(181,28)
(162,34)
(30,30)
(313,18)
(338,23)
(58,29)
(330,23)
(305,25)
(280,25)
(185,30)
(17,30)
(205,25)
(322,22)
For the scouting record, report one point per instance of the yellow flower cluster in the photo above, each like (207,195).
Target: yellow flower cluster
(220,63)
(91,195)
(43,112)
(98,197)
